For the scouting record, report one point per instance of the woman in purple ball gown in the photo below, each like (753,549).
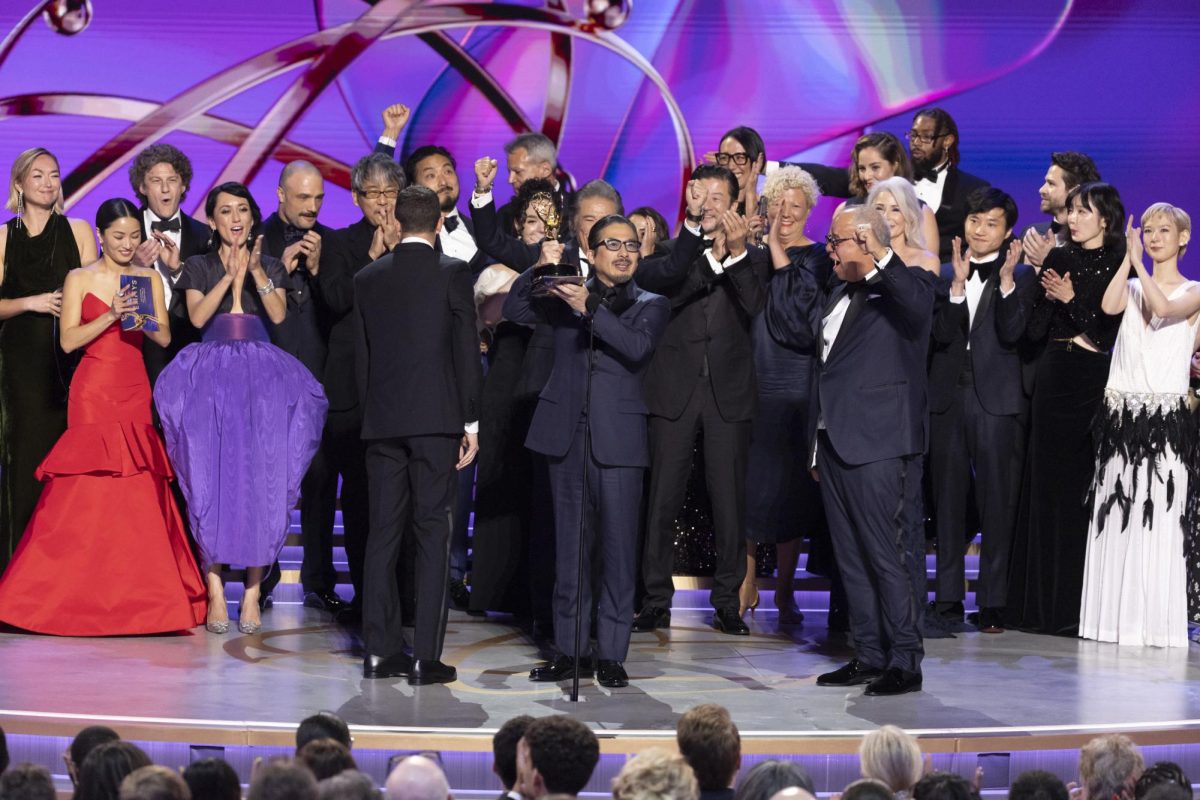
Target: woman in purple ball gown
(242,419)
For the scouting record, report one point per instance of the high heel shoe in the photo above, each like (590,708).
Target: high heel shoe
(751,606)
(216,625)
(248,628)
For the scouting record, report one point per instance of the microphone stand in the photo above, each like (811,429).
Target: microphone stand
(587,457)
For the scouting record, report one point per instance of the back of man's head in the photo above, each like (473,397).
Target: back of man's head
(1037,784)
(323,725)
(656,775)
(504,749)
(1109,766)
(564,751)
(154,783)
(944,786)
(212,779)
(85,742)
(765,778)
(417,210)
(283,780)
(27,782)
(417,778)
(709,740)
(868,789)
(349,785)
(326,758)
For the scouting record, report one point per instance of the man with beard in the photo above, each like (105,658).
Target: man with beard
(433,167)
(940,184)
(160,177)
(1067,170)
(293,235)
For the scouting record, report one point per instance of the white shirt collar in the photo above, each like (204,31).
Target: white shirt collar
(408,239)
(985,258)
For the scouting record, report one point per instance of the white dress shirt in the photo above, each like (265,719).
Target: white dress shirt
(148,218)
(974,291)
(470,427)
(930,192)
(459,243)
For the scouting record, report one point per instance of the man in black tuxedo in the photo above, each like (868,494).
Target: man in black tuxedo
(417,364)
(702,377)
(375,182)
(590,423)
(976,403)
(294,236)
(160,177)
(870,418)
(433,167)
(940,184)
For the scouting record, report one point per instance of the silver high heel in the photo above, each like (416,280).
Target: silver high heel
(221,626)
(249,628)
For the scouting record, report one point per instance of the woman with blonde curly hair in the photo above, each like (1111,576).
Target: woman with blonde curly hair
(782,501)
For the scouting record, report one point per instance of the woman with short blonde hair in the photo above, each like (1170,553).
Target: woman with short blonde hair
(892,756)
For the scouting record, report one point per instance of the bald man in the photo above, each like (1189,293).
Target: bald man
(294,236)
(417,778)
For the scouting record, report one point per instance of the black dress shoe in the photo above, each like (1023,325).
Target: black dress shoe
(894,681)
(650,618)
(560,669)
(611,674)
(265,601)
(325,601)
(430,670)
(727,620)
(988,620)
(852,674)
(397,666)
(460,595)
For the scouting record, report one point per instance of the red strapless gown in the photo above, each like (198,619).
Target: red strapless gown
(105,553)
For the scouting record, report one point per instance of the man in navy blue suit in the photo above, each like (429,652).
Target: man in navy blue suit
(870,417)
(604,333)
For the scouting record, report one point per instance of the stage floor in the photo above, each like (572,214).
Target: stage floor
(975,684)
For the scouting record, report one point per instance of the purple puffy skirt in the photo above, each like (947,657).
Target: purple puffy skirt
(242,420)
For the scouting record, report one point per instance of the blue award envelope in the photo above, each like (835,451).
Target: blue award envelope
(143,319)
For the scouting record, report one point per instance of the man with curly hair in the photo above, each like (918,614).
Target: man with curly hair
(555,756)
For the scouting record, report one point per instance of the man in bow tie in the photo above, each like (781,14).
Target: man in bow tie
(977,404)
(160,177)
(1066,171)
(433,167)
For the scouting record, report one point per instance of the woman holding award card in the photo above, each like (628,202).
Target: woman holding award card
(105,552)
(242,418)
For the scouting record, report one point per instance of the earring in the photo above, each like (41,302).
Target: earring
(20,206)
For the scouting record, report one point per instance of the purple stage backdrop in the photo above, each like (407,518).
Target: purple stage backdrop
(636,97)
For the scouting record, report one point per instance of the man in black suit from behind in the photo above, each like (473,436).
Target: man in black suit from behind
(160,176)
(419,377)
(504,754)
(294,236)
(940,184)
(977,403)
(702,379)
(375,182)
(870,422)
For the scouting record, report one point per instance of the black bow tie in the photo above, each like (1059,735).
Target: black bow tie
(925,174)
(1056,228)
(171,225)
(450,224)
(984,271)
(292,234)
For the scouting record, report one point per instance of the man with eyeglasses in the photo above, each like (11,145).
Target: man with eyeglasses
(702,378)
(940,184)
(294,236)
(595,393)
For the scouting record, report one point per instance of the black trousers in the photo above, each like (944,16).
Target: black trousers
(726,447)
(609,510)
(413,490)
(342,452)
(962,439)
(871,511)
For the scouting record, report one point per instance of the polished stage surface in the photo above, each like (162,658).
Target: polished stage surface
(975,684)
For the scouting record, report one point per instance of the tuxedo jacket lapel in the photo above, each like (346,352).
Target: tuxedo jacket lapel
(985,301)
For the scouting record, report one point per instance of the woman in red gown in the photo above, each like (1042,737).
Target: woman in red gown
(105,553)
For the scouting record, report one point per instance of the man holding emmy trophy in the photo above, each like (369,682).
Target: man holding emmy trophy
(590,424)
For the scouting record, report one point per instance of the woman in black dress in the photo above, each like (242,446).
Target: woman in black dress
(37,248)
(782,501)
(1046,577)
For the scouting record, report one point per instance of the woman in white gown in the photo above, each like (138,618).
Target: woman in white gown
(1136,587)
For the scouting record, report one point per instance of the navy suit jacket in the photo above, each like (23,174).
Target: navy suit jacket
(871,391)
(995,336)
(625,341)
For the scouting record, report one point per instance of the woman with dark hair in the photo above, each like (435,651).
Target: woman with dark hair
(743,153)
(110,457)
(37,249)
(102,771)
(652,229)
(242,418)
(212,779)
(876,157)
(1046,576)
